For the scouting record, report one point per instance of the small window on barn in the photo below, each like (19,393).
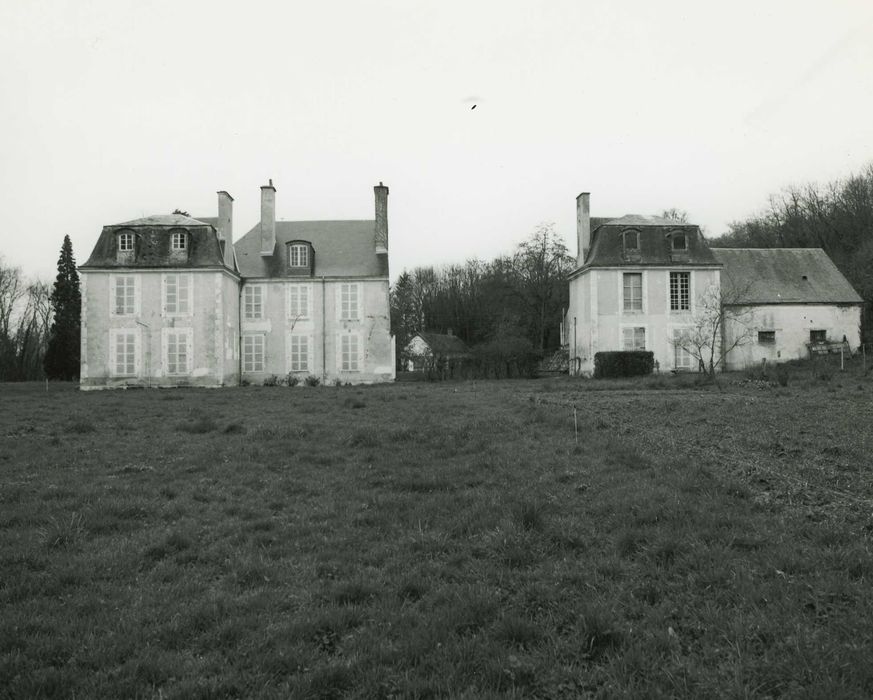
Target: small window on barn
(679,241)
(818,336)
(767,337)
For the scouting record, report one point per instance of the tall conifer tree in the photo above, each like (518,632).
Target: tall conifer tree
(62,355)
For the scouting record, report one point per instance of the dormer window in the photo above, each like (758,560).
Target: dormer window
(679,242)
(298,255)
(631,241)
(125,242)
(179,241)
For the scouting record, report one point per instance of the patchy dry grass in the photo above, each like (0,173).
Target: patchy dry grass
(437,541)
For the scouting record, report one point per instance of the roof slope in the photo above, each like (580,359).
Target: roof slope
(655,248)
(783,276)
(341,249)
(152,245)
(443,344)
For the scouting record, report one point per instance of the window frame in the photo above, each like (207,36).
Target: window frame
(680,275)
(114,335)
(188,336)
(674,237)
(818,335)
(678,351)
(130,290)
(624,238)
(624,295)
(125,241)
(306,352)
(250,355)
(766,337)
(182,237)
(349,358)
(302,289)
(249,290)
(188,287)
(304,251)
(345,304)
(634,328)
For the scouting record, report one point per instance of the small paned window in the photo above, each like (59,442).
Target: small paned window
(298,255)
(177,294)
(767,337)
(679,241)
(125,242)
(177,358)
(253,302)
(349,348)
(125,295)
(253,353)
(818,336)
(633,338)
(633,291)
(179,241)
(299,353)
(124,357)
(349,302)
(680,284)
(298,301)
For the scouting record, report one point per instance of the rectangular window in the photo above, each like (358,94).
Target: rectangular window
(177,294)
(349,346)
(298,301)
(633,291)
(177,354)
(299,353)
(253,302)
(818,336)
(349,302)
(680,283)
(682,359)
(767,337)
(633,339)
(298,256)
(124,353)
(125,295)
(253,352)
(125,242)
(179,241)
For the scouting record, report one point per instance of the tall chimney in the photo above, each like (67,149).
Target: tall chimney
(381,192)
(268,218)
(583,227)
(225,225)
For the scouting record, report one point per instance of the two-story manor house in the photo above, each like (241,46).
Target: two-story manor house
(172,301)
(645,282)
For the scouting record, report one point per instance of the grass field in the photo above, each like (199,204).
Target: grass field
(450,540)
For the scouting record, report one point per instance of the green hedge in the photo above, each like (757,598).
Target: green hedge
(630,363)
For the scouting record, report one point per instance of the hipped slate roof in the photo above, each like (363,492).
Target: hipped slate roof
(152,244)
(441,344)
(607,249)
(341,249)
(782,276)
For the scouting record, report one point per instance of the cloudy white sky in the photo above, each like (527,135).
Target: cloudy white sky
(118,109)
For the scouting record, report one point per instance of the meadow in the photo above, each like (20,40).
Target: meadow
(530,538)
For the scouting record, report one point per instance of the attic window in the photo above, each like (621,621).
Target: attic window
(631,240)
(679,241)
(125,242)
(179,241)
(298,255)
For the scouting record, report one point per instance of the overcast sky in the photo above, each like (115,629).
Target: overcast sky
(117,109)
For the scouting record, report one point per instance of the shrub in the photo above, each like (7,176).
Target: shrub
(272,380)
(312,380)
(292,379)
(626,363)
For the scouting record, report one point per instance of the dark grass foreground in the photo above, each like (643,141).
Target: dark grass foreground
(438,541)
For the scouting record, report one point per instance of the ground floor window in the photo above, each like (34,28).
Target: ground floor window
(350,346)
(298,353)
(767,337)
(818,336)
(177,352)
(124,352)
(682,358)
(633,338)
(253,352)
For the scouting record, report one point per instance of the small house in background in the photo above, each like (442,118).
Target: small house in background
(799,304)
(441,354)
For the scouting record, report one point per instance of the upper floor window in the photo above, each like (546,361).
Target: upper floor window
(680,286)
(679,241)
(124,295)
(350,306)
(125,242)
(177,294)
(633,291)
(253,302)
(298,255)
(298,301)
(179,241)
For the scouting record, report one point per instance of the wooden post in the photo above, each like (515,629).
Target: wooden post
(842,364)
(575,425)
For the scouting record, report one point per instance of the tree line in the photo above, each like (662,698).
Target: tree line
(837,217)
(39,323)
(509,310)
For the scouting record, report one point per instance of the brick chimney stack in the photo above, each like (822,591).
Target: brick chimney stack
(583,227)
(225,225)
(268,218)
(381,192)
